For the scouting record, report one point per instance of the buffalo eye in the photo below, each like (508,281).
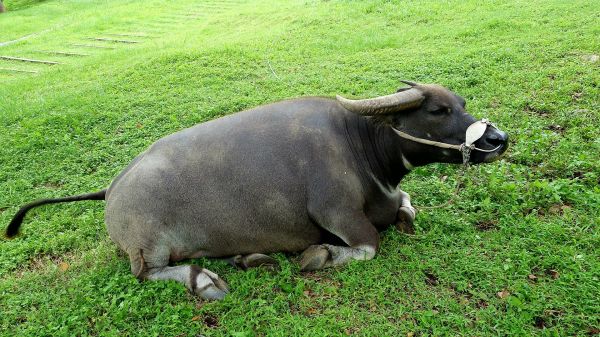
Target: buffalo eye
(441,111)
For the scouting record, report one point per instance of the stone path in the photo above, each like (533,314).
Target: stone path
(10,64)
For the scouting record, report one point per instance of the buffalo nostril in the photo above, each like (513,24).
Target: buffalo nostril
(497,138)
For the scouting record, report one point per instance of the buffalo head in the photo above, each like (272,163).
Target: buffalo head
(432,123)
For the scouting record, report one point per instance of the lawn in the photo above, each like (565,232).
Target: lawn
(516,253)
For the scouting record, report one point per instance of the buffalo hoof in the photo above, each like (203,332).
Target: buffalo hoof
(406,220)
(210,286)
(314,257)
(253,261)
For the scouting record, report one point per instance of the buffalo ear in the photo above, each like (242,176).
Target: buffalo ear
(387,120)
(402,89)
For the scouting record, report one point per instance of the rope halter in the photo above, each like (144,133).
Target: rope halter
(474,132)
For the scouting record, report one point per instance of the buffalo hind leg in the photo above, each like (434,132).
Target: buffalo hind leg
(152,264)
(405,220)
(252,260)
(199,281)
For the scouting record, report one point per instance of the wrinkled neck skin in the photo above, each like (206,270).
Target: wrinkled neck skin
(376,149)
(382,154)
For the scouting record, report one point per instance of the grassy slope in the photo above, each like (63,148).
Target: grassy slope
(73,127)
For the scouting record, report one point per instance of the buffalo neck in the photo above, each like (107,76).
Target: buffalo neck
(376,150)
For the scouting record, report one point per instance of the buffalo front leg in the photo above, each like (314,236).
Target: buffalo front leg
(358,233)
(325,255)
(405,218)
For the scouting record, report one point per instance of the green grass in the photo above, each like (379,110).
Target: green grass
(524,64)
(14,5)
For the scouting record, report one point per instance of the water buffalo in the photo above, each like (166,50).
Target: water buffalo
(314,175)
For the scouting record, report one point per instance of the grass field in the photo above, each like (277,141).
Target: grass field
(517,253)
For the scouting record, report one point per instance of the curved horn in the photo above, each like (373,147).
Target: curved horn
(399,101)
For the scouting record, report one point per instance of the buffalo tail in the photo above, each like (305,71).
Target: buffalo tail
(15,223)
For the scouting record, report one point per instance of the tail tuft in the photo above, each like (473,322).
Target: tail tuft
(13,227)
